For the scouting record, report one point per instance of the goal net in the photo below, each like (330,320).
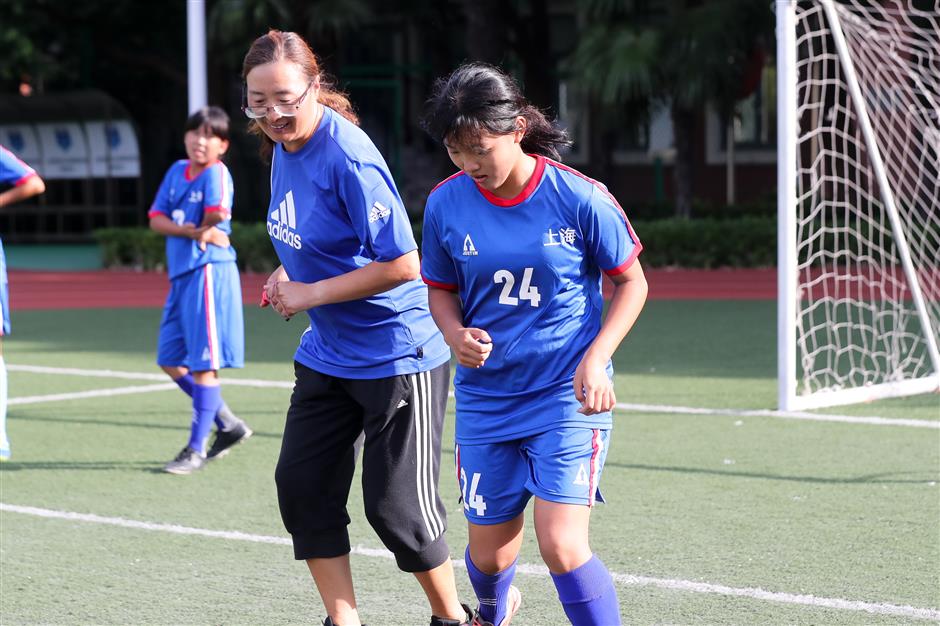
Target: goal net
(859,200)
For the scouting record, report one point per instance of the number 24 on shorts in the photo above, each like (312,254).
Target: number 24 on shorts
(473,499)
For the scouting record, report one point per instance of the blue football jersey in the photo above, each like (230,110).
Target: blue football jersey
(184,199)
(13,171)
(528,272)
(334,208)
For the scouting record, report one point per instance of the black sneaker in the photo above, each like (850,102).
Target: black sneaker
(329,622)
(186,462)
(443,621)
(225,439)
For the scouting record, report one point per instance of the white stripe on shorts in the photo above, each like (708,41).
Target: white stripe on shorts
(211,329)
(424,451)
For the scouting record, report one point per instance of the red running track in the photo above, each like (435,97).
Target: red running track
(37,290)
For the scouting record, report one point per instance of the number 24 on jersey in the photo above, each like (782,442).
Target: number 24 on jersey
(527,291)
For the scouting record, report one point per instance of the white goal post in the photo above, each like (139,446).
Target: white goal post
(858,173)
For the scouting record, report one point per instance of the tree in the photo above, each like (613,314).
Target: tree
(684,53)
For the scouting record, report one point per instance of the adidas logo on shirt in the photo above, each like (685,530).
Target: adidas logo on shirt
(379,211)
(283,221)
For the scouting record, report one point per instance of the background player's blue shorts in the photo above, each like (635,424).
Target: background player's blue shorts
(4,296)
(202,326)
(560,465)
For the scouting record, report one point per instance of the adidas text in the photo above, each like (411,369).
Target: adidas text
(281,233)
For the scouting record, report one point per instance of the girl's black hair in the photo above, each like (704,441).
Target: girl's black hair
(213,118)
(478,98)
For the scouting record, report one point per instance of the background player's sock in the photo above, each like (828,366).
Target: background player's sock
(492,590)
(206,402)
(588,595)
(4,442)
(224,419)
(186,384)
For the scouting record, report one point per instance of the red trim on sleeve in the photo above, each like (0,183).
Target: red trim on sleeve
(434,283)
(623,267)
(448,179)
(152,212)
(526,191)
(25,178)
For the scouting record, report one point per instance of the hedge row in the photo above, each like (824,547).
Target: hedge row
(705,243)
(143,249)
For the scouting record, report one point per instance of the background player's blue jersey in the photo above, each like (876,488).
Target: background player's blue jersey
(13,171)
(334,208)
(187,200)
(528,272)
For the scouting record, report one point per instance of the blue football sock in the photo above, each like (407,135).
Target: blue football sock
(491,590)
(588,595)
(206,403)
(186,383)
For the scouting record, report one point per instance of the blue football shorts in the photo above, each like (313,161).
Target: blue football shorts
(561,465)
(202,326)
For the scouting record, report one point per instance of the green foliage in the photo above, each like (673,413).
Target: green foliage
(685,52)
(142,248)
(19,51)
(709,243)
(139,248)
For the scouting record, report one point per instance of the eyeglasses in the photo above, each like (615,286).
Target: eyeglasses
(288,109)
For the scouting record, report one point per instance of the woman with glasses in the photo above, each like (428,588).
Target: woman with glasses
(372,360)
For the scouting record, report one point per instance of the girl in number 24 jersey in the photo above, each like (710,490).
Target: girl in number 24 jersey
(513,251)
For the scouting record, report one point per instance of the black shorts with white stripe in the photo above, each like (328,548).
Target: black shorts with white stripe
(401,418)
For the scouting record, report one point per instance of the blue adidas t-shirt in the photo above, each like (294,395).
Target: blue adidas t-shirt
(187,200)
(528,272)
(334,208)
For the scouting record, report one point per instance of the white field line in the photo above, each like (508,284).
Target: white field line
(790,415)
(623,580)
(623,406)
(72,371)
(94,393)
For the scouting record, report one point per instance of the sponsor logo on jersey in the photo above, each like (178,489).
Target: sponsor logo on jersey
(195,197)
(178,215)
(379,211)
(582,477)
(468,248)
(563,235)
(283,221)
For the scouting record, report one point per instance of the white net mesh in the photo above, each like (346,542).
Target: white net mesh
(856,323)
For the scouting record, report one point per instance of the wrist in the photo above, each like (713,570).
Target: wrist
(314,295)
(596,355)
(452,336)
